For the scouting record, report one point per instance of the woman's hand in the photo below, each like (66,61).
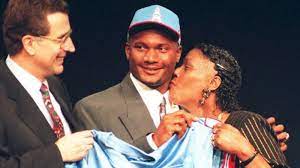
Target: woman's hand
(229,139)
(174,123)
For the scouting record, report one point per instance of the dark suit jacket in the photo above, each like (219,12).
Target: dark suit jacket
(120,110)
(26,138)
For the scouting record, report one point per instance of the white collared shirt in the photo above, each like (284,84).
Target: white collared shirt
(152,99)
(32,85)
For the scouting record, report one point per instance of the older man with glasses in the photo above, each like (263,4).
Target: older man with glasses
(36,124)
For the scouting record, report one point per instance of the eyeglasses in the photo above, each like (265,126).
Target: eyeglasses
(61,41)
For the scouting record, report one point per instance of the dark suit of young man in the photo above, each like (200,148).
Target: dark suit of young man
(119,109)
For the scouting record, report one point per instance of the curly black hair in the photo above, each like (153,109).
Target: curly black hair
(229,71)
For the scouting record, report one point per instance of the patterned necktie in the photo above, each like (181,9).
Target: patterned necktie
(58,128)
(162,108)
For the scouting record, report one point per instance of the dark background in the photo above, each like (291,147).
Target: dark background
(262,35)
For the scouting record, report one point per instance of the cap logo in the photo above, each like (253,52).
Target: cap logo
(156,15)
(152,16)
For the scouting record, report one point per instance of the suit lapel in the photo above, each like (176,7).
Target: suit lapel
(60,98)
(26,108)
(29,112)
(137,112)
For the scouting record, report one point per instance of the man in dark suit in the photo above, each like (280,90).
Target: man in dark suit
(36,124)
(138,110)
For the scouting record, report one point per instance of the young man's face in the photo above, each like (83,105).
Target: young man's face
(152,58)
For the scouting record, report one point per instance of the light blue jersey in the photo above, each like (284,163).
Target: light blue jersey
(193,150)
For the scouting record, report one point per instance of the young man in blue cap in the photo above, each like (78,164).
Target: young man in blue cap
(132,108)
(138,110)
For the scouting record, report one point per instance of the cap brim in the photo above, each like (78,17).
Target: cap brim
(169,32)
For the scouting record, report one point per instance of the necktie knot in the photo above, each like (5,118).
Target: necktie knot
(44,89)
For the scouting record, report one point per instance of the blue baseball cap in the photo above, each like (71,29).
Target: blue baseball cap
(156,17)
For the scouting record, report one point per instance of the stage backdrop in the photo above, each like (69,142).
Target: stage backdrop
(262,35)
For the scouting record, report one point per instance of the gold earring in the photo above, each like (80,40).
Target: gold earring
(205,95)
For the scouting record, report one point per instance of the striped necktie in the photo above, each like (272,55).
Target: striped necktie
(162,108)
(58,128)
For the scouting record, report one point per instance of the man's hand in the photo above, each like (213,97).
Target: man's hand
(176,122)
(75,146)
(282,136)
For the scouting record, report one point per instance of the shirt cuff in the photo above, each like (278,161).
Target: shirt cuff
(151,142)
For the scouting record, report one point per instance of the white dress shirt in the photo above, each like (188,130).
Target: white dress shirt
(152,99)
(32,85)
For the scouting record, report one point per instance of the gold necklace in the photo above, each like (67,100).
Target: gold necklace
(220,116)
